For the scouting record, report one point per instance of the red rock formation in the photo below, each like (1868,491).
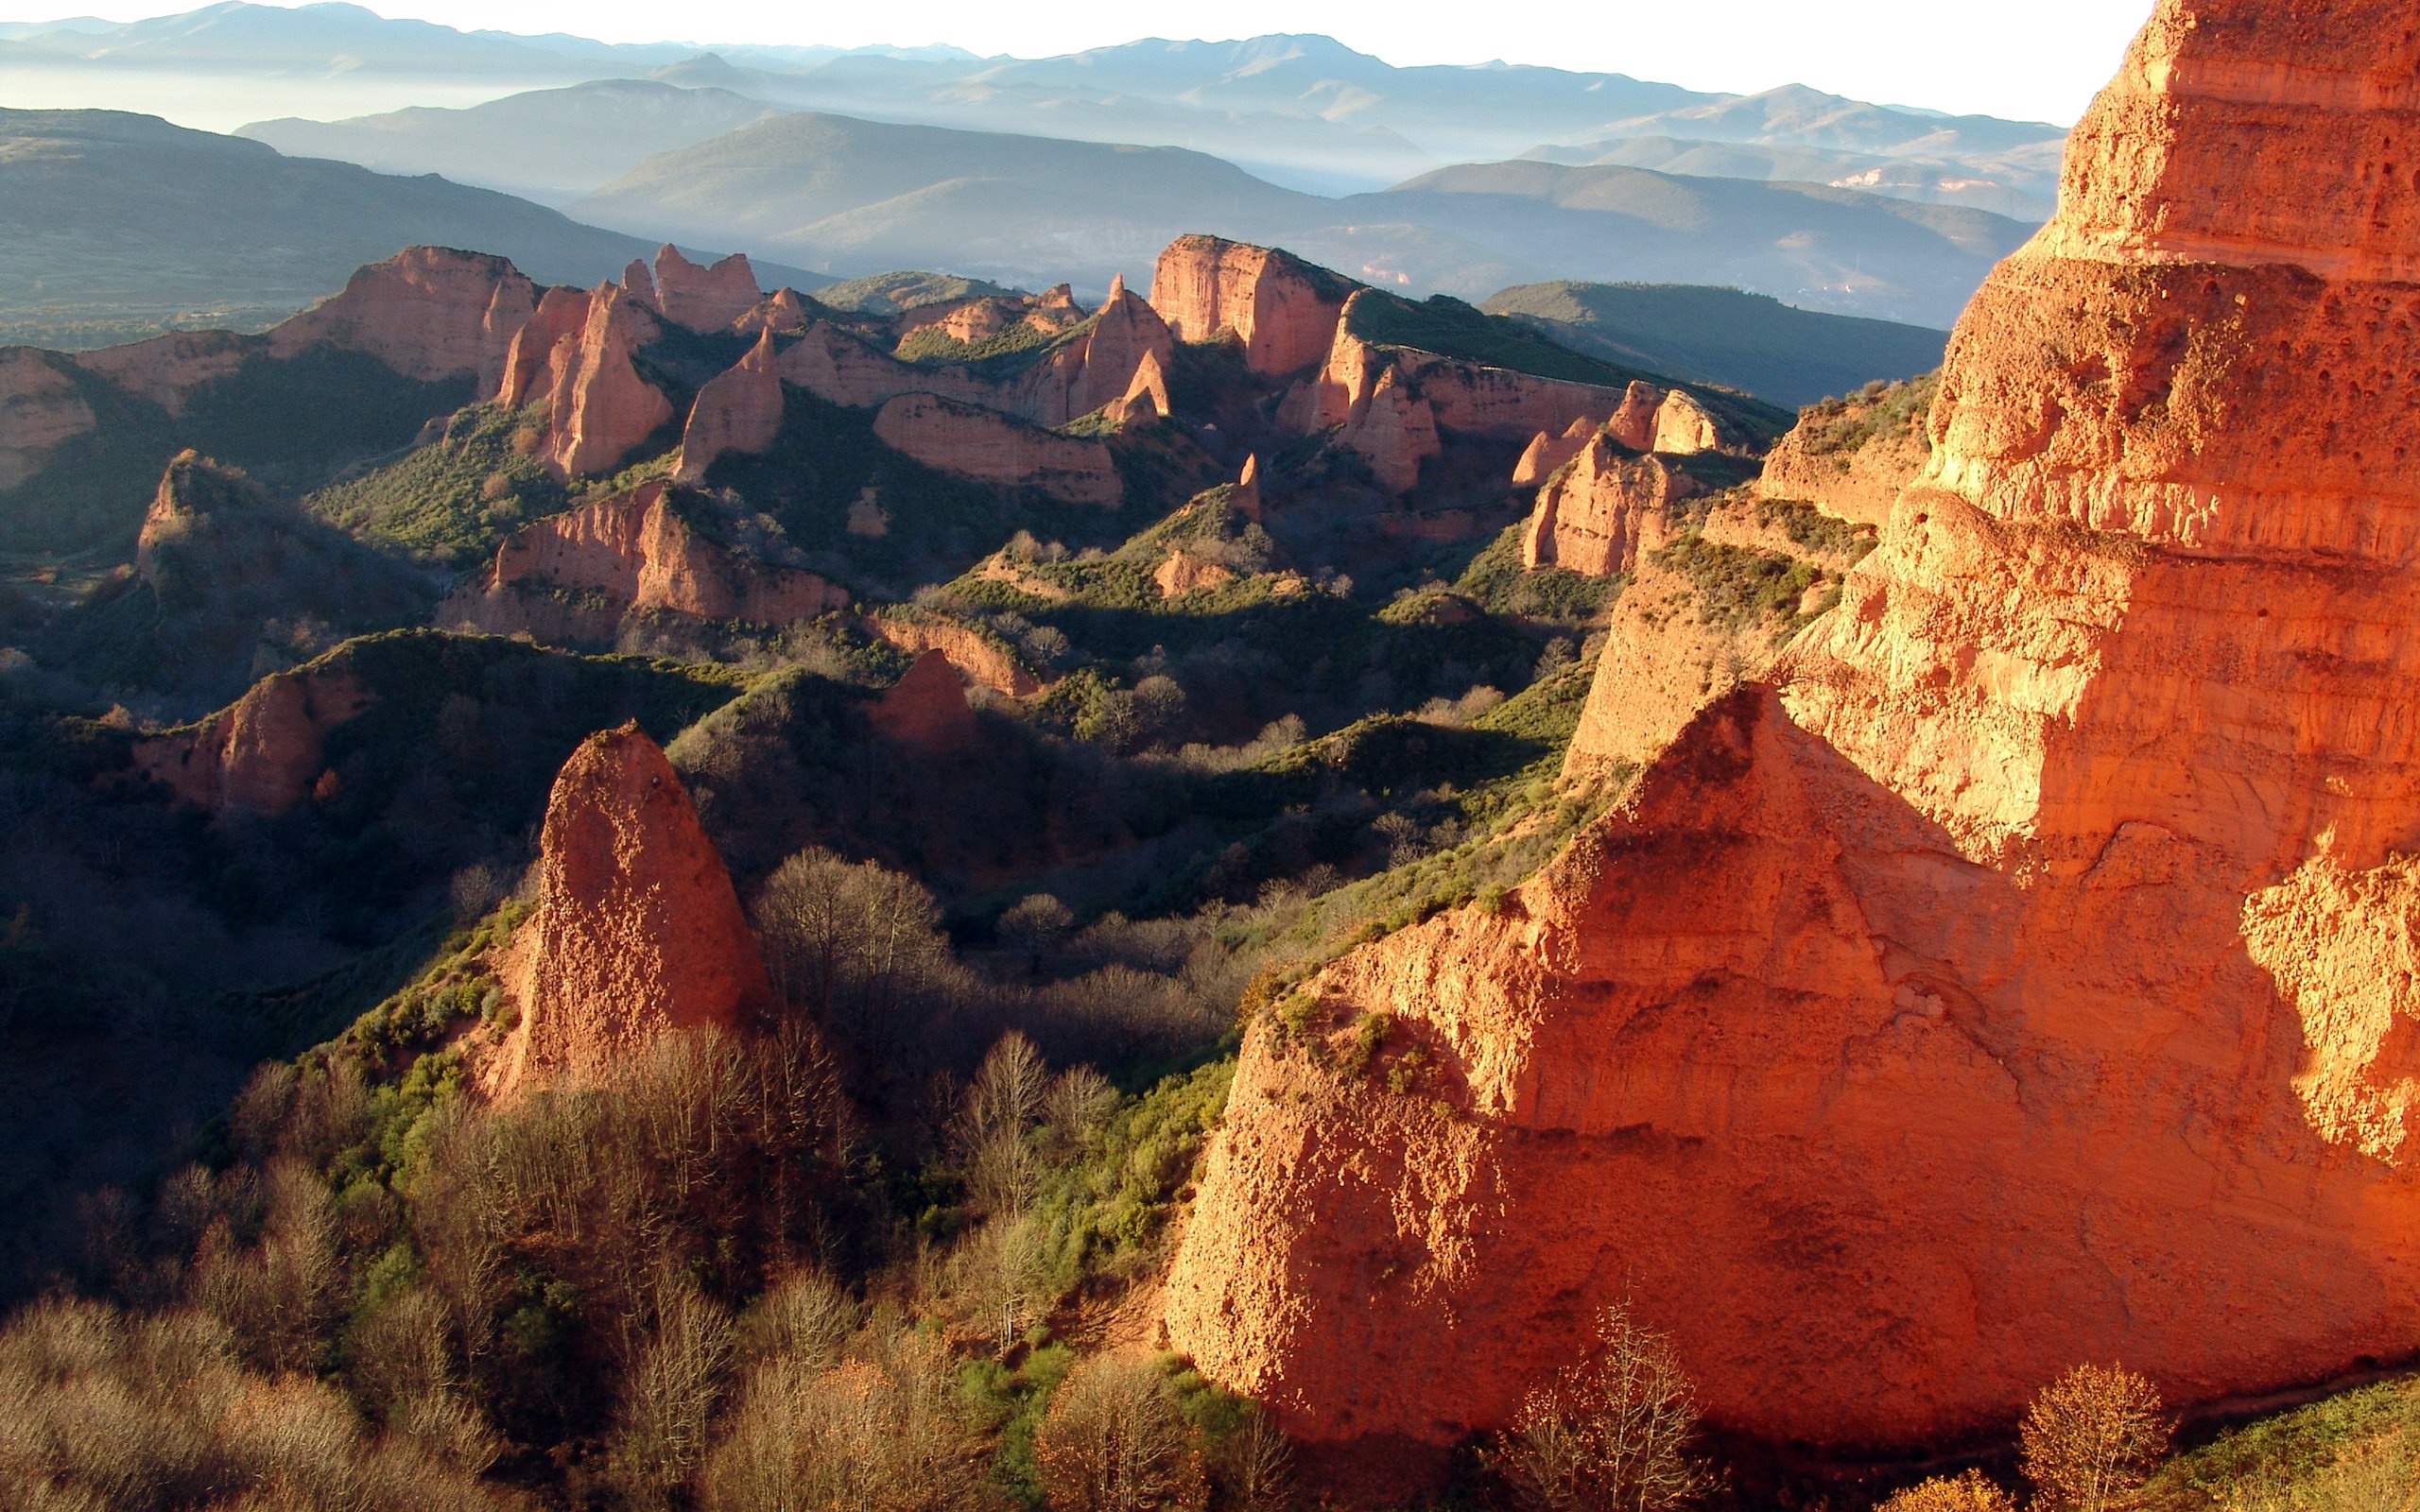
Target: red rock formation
(990,447)
(736,411)
(927,709)
(529,363)
(428,312)
(782,310)
(1609,508)
(978,657)
(1548,452)
(2012,980)
(1284,310)
(41,409)
(573,577)
(165,370)
(259,757)
(704,299)
(1855,478)
(640,285)
(1184,573)
(599,408)
(637,933)
(1246,499)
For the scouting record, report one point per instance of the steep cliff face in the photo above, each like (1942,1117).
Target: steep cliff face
(259,757)
(598,409)
(1599,515)
(40,408)
(979,658)
(637,933)
(701,298)
(2008,980)
(428,312)
(165,370)
(574,577)
(990,447)
(1284,310)
(1853,457)
(739,410)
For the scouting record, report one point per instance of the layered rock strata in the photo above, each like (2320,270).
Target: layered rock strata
(637,933)
(576,577)
(2007,981)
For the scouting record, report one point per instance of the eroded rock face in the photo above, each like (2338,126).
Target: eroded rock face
(637,933)
(927,709)
(1607,509)
(428,312)
(259,757)
(1284,310)
(704,299)
(41,408)
(599,408)
(573,577)
(1852,460)
(990,447)
(736,411)
(979,658)
(2010,980)
(165,370)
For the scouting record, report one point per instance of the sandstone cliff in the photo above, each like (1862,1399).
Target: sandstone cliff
(704,299)
(637,933)
(739,410)
(575,359)
(1853,457)
(1283,309)
(259,757)
(1598,514)
(574,577)
(428,312)
(927,709)
(2005,982)
(990,447)
(977,656)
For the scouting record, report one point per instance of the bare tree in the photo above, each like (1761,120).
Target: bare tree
(1971,1492)
(1114,1442)
(1256,1466)
(1610,1434)
(2092,1434)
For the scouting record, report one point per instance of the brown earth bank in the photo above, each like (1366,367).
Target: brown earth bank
(2009,978)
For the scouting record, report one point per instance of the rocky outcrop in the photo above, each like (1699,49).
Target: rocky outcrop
(1602,513)
(2009,979)
(784,309)
(41,409)
(260,756)
(927,709)
(1185,571)
(1548,452)
(428,312)
(990,447)
(598,409)
(165,370)
(576,577)
(638,933)
(1853,458)
(1283,309)
(979,658)
(701,298)
(739,410)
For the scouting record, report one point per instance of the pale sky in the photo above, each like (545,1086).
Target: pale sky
(2034,60)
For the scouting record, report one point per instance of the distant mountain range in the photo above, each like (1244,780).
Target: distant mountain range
(121,226)
(1305,111)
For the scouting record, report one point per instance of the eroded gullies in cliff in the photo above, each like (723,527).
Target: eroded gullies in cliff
(1997,982)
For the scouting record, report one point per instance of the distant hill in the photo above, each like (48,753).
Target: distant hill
(1302,111)
(120,226)
(551,145)
(1925,180)
(1746,341)
(1812,246)
(847,196)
